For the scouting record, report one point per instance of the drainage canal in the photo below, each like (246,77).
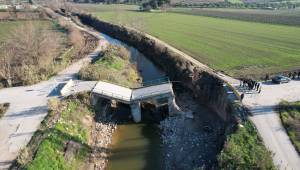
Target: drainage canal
(177,142)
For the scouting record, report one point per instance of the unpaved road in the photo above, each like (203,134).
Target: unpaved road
(268,122)
(28,107)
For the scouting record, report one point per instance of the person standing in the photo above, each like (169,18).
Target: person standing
(267,77)
(242,96)
(259,89)
(294,75)
(257,86)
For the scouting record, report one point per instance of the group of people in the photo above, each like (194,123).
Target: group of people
(294,75)
(250,85)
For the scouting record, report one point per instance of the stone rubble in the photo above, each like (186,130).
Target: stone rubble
(187,145)
(102,137)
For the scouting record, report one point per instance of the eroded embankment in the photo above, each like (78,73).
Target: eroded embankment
(206,87)
(203,87)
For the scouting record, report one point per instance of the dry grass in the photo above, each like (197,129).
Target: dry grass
(34,51)
(28,54)
(3,108)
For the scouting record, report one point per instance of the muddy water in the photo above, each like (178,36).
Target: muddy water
(136,146)
(187,143)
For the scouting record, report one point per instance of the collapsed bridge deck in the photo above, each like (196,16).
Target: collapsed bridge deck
(161,93)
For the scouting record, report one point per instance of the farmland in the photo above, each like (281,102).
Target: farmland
(238,48)
(285,17)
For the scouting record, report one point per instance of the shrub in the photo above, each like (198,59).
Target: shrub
(290,117)
(245,150)
(3,108)
(114,66)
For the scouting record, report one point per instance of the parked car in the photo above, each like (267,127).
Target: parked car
(280,79)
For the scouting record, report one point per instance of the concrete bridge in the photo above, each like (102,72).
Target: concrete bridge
(160,93)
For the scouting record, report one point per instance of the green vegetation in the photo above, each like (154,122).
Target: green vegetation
(245,150)
(68,121)
(238,48)
(3,108)
(114,66)
(285,17)
(290,117)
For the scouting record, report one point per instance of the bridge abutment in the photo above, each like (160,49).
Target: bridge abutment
(136,111)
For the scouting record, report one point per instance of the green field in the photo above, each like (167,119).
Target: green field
(283,16)
(237,47)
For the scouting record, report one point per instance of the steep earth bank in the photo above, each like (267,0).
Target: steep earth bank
(206,86)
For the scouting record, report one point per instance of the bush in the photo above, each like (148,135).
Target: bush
(245,150)
(3,108)
(290,118)
(114,66)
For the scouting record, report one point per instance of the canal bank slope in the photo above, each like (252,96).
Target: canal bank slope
(207,87)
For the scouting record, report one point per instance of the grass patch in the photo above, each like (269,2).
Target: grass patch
(290,118)
(245,150)
(3,109)
(238,48)
(67,121)
(113,66)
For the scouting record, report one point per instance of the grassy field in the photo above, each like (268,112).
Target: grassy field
(284,16)
(290,117)
(239,48)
